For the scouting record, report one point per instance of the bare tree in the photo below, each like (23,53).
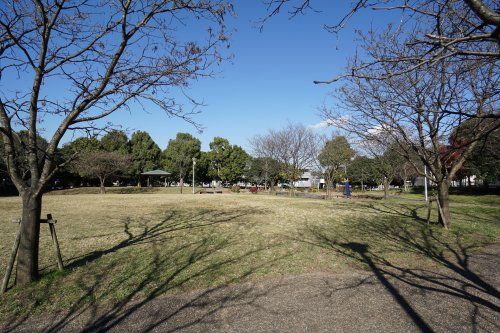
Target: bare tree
(294,147)
(420,78)
(263,148)
(421,113)
(101,165)
(79,65)
(442,29)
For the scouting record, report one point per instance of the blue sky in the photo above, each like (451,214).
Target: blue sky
(270,80)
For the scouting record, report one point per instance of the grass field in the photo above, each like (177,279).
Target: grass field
(123,247)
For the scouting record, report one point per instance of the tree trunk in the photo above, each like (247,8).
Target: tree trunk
(362,187)
(386,188)
(103,188)
(444,204)
(27,258)
(182,183)
(265,181)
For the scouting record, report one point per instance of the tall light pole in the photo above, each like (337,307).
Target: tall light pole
(194,163)
(425,183)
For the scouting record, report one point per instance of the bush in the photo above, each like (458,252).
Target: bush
(235,188)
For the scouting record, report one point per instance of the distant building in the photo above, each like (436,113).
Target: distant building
(308,180)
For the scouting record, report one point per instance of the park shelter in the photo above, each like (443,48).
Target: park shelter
(155,173)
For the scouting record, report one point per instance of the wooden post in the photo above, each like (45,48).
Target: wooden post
(12,259)
(10,265)
(52,228)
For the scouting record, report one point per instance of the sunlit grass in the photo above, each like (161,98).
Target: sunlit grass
(129,246)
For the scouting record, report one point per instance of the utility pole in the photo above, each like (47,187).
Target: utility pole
(194,163)
(425,183)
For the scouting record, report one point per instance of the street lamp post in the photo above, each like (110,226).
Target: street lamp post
(425,183)
(194,163)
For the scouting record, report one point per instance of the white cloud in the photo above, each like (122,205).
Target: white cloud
(330,122)
(376,130)
(322,124)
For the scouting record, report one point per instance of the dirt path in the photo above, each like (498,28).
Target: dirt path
(461,297)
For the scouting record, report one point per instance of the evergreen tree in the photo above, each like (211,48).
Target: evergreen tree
(115,141)
(145,153)
(334,158)
(179,154)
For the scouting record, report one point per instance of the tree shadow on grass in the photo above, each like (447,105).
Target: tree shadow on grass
(400,210)
(459,276)
(190,260)
(173,220)
(412,211)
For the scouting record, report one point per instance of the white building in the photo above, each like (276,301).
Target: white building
(308,180)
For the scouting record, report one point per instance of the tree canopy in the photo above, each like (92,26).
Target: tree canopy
(145,153)
(115,140)
(335,157)
(179,154)
(227,162)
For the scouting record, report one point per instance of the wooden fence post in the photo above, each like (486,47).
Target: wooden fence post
(52,228)
(12,259)
(10,265)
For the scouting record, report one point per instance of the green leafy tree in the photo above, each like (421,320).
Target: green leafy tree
(334,158)
(80,145)
(218,155)
(115,141)
(145,153)
(179,154)
(362,170)
(202,168)
(236,165)
(227,162)
(484,161)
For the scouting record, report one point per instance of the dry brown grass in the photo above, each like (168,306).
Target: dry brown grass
(119,246)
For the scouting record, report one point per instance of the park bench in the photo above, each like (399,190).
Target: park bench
(211,191)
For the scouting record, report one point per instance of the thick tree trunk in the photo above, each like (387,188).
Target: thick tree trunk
(182,183)
(27,257)
(444,204)
(362,187)
(386,188)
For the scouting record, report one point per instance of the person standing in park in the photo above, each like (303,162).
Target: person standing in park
(347,189)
